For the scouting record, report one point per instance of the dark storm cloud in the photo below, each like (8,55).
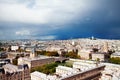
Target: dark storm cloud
(59,20)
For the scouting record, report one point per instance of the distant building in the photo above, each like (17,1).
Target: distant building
(13,55)
(32,54)
(105,47)
(28,49)
(100,56)
(12,72)
(116,54)
(14,48)
(3,55)
(84,54)
(4,62)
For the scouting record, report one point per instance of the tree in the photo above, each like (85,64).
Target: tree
(9,49)
(2,49)
(0,44)
(53,53)
(95,50)
(47,69)
(40,52)
(115,60)
(111,51)
(50,68)
(15,61)
(20,50)
(72,55)
(98,59)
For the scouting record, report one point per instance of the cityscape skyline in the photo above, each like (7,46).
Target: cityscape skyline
(76,59)
(59,19)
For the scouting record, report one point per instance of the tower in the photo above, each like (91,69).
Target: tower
(92,38)
(73,43)
(105,47)
(32,54)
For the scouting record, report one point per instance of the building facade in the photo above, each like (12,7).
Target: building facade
(12,72)
(34,62)
(100,56)
(84,54)
(92,74)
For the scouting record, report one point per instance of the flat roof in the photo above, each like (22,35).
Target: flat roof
(39,74)
(11,68)
(66,68)
(35,58)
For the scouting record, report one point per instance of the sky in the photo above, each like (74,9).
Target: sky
(59,19)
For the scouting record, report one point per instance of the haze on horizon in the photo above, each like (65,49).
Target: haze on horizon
(59,19)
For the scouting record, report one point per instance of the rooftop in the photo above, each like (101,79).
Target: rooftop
(35,58)
(116,54)
(39,74)
(11,68)
(65,68)
(83,63)
(43,76)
